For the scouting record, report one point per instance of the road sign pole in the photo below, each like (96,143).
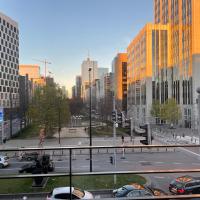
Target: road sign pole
(114,138)
(2,124)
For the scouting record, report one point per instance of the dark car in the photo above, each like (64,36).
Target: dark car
(28,168)
(29,156)
(185,185)
(137,190)
(41,164)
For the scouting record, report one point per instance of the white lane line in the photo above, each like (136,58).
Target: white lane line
(142,161)
(9,169)
(19,162)
(84,166)
(177,163)
(159,177)
(126,161)
(195,163)
(159,162)
(196,154)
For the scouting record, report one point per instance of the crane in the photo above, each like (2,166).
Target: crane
(45,65)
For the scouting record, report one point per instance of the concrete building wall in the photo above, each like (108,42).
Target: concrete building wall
(9,60)
(33,71)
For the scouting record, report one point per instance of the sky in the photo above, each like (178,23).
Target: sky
(64,31)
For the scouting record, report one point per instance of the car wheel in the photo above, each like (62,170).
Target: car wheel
(1,166)
(29,159)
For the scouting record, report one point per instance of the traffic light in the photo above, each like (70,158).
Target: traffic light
(119,118)
(111,160)
(145,135)
(114,113)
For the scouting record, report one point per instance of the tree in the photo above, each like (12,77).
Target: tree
(48,104)
(156,109)
(171,111)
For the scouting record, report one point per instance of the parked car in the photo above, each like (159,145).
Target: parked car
(64,193)
(137,190)
(3,161)
(28,156)
(185,185)
(42,163)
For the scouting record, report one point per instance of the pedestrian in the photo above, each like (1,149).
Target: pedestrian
(122,139)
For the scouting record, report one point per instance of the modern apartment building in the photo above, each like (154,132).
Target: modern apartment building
(9,61)
(147,63)
(183,17)
(119,67)
(9,74)
(85,74)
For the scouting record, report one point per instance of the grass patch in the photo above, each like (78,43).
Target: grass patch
(31,131)
(83,182)
(107,131)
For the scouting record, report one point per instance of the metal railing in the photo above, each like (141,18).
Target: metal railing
(70,173)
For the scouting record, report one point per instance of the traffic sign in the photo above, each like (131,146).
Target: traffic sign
(1,115)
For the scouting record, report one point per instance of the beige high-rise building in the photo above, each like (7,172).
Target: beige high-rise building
(85,74)
(33,72)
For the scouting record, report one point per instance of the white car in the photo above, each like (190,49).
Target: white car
(3,161)
(64,193)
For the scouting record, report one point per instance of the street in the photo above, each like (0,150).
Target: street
(133,161)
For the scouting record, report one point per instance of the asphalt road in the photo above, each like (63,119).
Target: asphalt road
(157,159)
(133,161)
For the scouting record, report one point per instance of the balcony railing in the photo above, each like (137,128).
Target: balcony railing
(70,174)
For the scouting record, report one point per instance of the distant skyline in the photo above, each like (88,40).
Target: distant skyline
(64,31)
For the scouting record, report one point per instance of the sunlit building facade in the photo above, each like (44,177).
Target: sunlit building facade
(119,68)
(147,63)
(183,17)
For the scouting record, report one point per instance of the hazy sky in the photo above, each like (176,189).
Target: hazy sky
(62,31)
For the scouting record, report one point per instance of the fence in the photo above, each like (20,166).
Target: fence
(70,173)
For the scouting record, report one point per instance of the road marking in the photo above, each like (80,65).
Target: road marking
(195,163)
(19,162)
(9,169)
(196,154)
(159,162)
(177,163)
(159,177)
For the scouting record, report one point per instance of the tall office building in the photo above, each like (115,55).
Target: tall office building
(78,87)
(183,16)
(9,61)
(119,67)
(9,75)
(101,72)
(85,74)
(34,75)
(144,63)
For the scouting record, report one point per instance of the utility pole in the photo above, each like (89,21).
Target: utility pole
(114,136)
(90,116)
(11,109)
(198,91)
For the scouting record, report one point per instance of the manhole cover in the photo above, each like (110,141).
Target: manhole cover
(145,163)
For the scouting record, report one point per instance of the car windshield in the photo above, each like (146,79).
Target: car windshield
(79,193)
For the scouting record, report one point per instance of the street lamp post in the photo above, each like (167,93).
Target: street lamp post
(198,91)
(90,116)
(11,110)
